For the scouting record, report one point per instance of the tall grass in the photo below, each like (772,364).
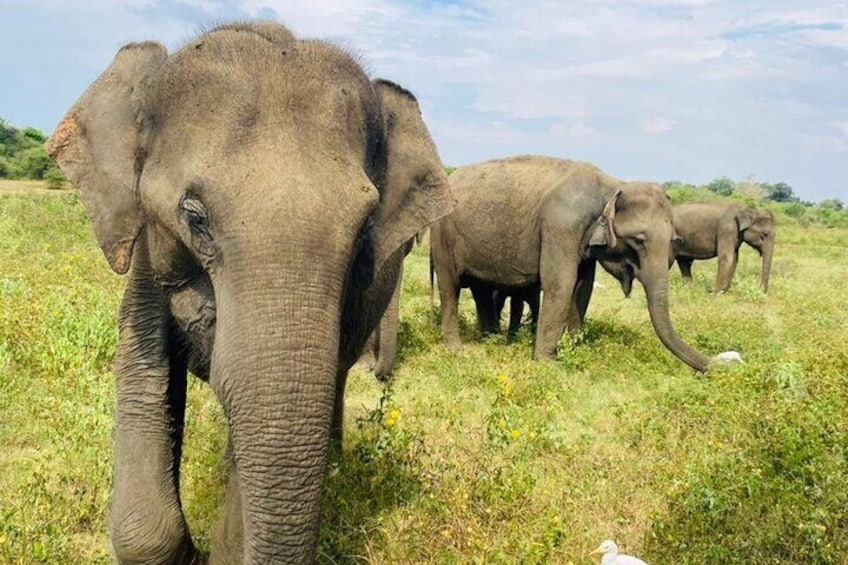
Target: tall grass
(480,456)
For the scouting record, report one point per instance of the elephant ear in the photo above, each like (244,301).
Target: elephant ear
(96,145)
(603,231)
(745,218)
(415,190)
(676,240)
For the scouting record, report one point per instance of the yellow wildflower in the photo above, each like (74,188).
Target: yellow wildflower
(392,418)
(515,433)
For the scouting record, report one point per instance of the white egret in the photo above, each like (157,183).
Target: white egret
(729,357)
(609,552)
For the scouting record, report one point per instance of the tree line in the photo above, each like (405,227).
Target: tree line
(23,156)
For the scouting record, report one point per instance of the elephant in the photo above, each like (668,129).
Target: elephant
(531,219)
(259,189)
(518,297)
(717,229)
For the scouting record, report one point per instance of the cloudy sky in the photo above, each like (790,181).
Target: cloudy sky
(647,89)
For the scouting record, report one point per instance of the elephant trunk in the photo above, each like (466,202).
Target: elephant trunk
(768,254)
(274,371)
(655,282)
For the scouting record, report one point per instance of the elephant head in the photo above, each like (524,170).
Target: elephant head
(757,229)
(634,237)
(269,180)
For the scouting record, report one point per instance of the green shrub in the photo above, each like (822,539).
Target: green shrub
(54,178)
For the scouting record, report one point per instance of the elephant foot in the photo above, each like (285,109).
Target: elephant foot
(453,344)
(545,357)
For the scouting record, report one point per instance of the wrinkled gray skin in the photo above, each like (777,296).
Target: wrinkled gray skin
(259,190)
(715,229)
(380,351)
(529,219)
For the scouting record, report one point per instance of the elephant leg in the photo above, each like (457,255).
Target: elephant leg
(228,541)
(727,260)
(516,310)
(146,520)
(368,359)
(582,295)
(449,296)
(533,303)
(387,334)
(558,273)
(484,301)
(685,265)
(500,297)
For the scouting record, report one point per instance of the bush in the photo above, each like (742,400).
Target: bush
(22,153)
(54,178)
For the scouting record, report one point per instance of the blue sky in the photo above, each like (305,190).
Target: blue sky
(647,89)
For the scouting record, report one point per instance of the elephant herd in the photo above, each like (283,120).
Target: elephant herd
(262,191)
(529,224)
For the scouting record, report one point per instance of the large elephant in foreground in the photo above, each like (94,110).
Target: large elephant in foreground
(532,219)
(717,229)
(259,189)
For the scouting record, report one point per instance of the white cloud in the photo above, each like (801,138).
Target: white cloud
(841,126)
(732,86)
(578,131)
(657,124)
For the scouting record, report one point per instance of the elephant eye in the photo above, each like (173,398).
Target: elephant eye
(639,238)
(196,217)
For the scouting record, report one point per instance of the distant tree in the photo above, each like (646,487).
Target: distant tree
(34,162)
(722,185)
(23,156)
(751,189)
(781,192)
(832,204)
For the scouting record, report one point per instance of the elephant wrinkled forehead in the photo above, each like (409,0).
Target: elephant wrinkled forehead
(229,85)
(645,195)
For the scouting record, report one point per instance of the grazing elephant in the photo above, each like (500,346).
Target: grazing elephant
(715,229)
(526,220)
(259,190)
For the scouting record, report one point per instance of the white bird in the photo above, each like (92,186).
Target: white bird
(610,556)
(730,357)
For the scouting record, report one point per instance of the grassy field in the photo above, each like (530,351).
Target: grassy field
(481,456)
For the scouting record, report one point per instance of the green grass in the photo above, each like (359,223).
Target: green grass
(480,456)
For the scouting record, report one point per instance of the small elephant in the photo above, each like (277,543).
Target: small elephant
(539,220)
(518,297)
(259,189)
(715,229)
(531,295)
